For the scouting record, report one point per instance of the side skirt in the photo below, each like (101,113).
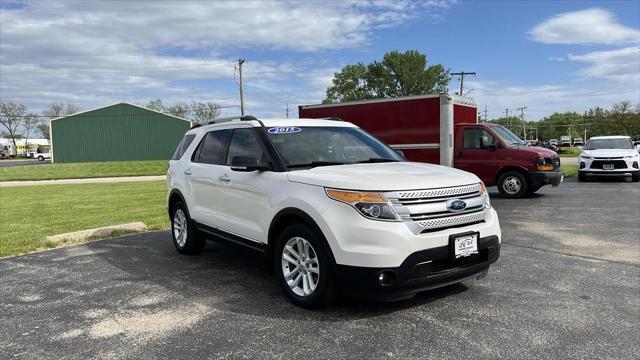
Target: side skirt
(225,237)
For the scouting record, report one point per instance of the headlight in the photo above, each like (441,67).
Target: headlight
(371,205)
(630,156)
(584,156)
(544,164)
(485,193)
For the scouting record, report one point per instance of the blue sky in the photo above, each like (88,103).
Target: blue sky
(546,55)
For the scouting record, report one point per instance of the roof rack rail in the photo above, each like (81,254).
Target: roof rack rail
(334,118)
(197,125)
(232,118)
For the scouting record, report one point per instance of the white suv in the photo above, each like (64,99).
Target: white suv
(334,208)
(609,156)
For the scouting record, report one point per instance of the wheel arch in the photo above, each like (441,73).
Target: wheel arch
(288,216)
(519,169)
(174,196)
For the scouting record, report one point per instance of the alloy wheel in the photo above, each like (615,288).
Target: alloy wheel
(300,266)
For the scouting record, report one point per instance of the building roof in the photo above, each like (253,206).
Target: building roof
(122,103)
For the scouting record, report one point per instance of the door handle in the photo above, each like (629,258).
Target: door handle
(224,178)
(187,172)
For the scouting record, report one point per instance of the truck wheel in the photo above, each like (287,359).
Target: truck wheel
(185,237)
(40,158)
(513,185)
(303,268)
(582,176)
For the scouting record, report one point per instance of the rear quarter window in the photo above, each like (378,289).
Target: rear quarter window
(182,147)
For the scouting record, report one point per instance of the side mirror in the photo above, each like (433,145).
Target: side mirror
(401,153)
(247,164)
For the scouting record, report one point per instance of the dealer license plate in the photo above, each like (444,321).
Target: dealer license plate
(465,245)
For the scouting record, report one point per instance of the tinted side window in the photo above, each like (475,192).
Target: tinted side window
(182,147)
(212,147)
(476,138)
(244,143)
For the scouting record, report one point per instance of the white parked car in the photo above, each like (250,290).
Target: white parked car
(609,156)
(41,156)
(336,210)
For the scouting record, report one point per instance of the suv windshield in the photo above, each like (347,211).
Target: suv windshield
(317,146)
(609,144)
(507,136)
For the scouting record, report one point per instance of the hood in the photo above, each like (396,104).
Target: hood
(537,151)
(392,176)
(610,152)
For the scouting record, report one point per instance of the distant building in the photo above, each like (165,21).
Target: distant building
(116,132)
(23,146)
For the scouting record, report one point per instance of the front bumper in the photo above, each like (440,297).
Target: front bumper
(546,177)
(420,271)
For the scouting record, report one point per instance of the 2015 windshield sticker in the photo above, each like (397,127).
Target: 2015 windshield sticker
(284,130)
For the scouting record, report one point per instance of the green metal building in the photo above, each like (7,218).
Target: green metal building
(116,132)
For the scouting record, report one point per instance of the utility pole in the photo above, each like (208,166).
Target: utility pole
(506,111)
(524,125)
(462,74)
(287,110)
(485,113)
(240,62)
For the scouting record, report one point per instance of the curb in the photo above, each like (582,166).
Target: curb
(97,233)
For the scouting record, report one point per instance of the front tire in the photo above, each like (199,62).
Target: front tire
(582,176)
(185,237)
(303,268)
(635,178)
(513,185)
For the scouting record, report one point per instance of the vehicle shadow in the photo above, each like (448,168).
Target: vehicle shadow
(231,279)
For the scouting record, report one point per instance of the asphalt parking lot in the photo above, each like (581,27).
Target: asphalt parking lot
(8,163)
(567,285)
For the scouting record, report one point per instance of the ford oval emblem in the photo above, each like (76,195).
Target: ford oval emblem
(456,205)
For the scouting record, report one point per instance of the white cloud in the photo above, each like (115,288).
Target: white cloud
(621,65)
(91,52)
(543,100)
(590,26)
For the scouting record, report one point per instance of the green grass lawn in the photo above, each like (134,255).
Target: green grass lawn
(569,170)
(28,214)
(569,152)
(83,170)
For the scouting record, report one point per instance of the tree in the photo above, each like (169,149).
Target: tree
(11,117)
(179,109)
(623,115)
(156,105)
(203,112)
(54,111)
(29,124)
(398,74)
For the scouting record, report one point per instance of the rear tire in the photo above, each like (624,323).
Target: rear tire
(582,176)
(185,236)
(513,185)
(303,268)
(40,158)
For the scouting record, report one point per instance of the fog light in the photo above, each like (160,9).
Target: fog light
(635,165)
(387,277)
(582,165)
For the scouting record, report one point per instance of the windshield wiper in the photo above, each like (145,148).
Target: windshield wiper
(376,160)
(316,163)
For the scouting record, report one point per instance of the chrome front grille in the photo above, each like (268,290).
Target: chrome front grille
(424,210)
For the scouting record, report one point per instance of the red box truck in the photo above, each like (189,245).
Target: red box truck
(443,129)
